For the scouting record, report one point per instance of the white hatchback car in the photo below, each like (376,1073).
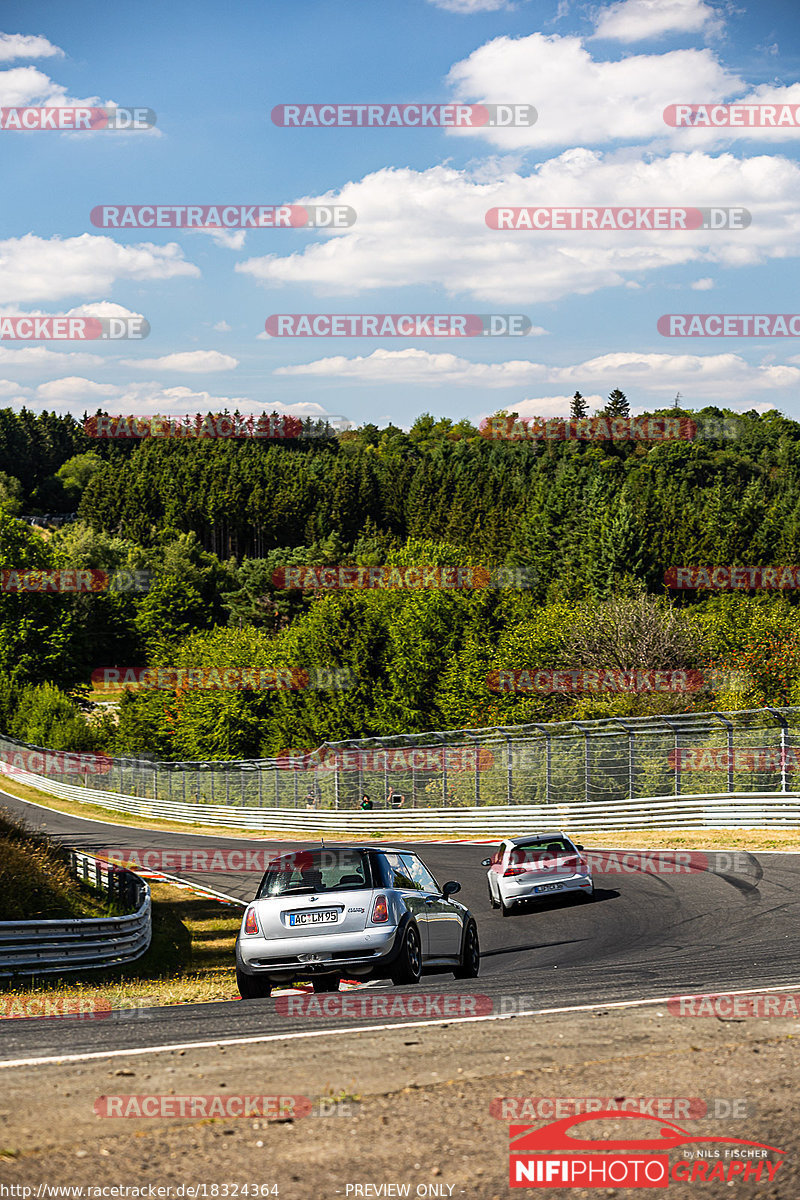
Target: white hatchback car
(534,867)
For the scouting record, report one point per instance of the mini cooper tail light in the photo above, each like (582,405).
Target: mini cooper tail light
(250,922)
(380,911)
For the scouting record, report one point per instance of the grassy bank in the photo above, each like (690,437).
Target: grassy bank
(35,879)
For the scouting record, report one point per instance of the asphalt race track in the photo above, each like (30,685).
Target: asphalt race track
(644,936)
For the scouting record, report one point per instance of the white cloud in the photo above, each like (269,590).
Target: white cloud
(229,239)
(102,308)
(34,268)
(152,397)
(702,285)
(548,406)
(705,376)
(19,45)
(188,360)
(471,6)
(40,356)
(222,327)
(21,87)
(72,389)
(635,20)
(431,225)
(581,100)
(9,388)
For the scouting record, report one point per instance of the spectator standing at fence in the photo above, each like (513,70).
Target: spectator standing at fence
(393,799)
(366,802)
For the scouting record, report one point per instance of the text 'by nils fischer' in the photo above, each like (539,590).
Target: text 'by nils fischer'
(360,325)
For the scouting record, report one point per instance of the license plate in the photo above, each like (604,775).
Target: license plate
(549,887)
(321,916)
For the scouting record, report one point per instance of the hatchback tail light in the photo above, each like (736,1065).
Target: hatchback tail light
(250,922)
(380,911)
(514,871)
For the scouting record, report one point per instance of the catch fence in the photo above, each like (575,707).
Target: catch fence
(575,762)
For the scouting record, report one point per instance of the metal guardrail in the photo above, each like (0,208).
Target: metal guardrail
(603,761)
(82,944)
(727,810)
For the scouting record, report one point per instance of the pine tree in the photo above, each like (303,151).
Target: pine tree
(578,408)
(618,405)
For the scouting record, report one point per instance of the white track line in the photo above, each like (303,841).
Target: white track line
(316,1033)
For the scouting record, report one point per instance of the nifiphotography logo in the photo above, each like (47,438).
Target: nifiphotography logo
(552,1157)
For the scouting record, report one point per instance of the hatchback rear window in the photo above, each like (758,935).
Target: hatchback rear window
(534,851)
(316,871)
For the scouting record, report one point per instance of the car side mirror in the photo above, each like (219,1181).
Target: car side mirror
(578,846)
(486,862)
(451,888)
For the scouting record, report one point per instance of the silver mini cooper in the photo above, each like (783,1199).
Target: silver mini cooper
(352,912)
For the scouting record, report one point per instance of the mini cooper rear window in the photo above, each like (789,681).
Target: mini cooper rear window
(316,871)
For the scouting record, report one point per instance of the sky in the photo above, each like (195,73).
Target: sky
(599,77)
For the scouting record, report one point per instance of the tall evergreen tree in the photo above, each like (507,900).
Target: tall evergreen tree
(578,408)
(618,405)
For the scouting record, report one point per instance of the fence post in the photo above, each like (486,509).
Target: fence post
(784,724)
(729,728)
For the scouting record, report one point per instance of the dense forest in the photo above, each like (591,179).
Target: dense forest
(595,523)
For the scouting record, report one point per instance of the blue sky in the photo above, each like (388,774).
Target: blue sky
(599,76)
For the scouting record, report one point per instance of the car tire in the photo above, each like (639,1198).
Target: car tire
(408,967)
(587,897)
(494,903)
(252,987)
(505,908)
(471,954)
(326,983)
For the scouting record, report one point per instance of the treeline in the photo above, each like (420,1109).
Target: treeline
(595,524)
